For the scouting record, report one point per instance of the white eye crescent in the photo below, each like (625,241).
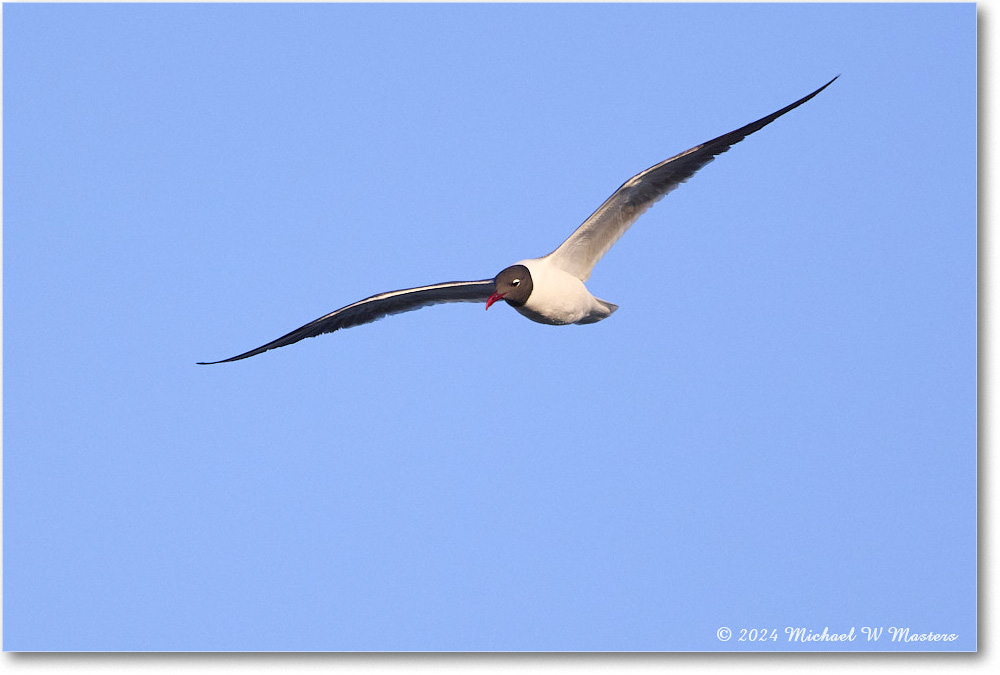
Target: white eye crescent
(515,282)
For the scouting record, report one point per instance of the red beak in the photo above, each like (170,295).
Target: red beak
(493,298)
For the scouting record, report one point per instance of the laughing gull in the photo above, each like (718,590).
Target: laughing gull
(549,289)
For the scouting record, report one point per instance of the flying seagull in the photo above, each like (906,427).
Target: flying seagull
(549,289)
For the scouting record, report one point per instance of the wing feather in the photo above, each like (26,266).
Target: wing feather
(376,307)
(588,244)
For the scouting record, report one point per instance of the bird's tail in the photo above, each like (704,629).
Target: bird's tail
(607,309)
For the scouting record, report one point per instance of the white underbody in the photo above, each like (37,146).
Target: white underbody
(558,298)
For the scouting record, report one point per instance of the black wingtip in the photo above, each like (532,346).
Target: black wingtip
(232,358)
(806,98)
(824,86)
(212,363)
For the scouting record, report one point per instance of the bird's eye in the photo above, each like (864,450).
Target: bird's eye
(515,282)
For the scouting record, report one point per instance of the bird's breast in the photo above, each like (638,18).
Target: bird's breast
(557,297)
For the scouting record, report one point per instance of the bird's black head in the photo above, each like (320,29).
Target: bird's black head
(513,285)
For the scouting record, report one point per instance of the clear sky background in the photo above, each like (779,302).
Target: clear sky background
(777,428)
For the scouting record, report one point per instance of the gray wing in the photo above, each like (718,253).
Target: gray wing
(588,244)
(376,307)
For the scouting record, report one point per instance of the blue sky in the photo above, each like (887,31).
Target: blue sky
(776,429)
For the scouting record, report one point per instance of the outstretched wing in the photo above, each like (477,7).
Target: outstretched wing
(376,307)
(588,244)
